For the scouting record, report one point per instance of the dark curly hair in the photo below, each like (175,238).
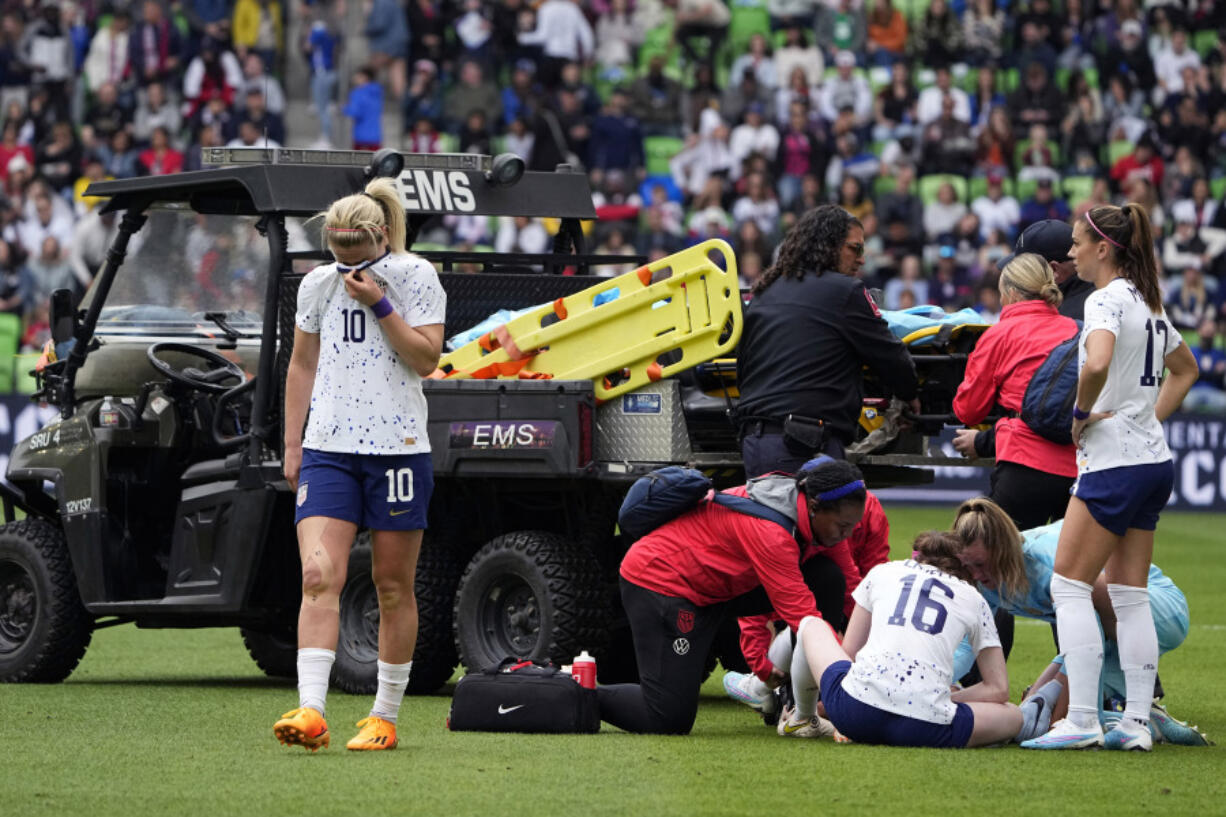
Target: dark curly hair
(825,474)
(812,245)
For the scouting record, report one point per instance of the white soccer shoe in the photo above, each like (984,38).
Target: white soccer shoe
(814,727)
(746,688)
(1129,736)
(1067,735)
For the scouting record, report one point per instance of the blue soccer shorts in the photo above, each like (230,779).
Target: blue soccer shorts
(379,492)
(864,723)
(1130,496)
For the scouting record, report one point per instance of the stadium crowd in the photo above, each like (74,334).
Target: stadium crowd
(945,126)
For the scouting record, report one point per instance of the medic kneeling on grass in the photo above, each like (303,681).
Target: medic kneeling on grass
(683,579)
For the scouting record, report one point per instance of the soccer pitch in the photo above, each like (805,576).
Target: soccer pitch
(180,722)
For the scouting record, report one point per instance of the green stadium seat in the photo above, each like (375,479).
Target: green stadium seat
(745,22)
(1024,145)
(978,186)
(888,184)
(659,150)
(928,186)
(448,143)
(1007,80)
(23,380)
(1025,189)
(1203,41)
(913,9)
(1078,188)
(1117,150)
(1218,187)
(10,340)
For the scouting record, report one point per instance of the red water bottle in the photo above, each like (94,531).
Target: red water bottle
(584,670)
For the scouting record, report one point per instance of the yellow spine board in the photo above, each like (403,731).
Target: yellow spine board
(683,306)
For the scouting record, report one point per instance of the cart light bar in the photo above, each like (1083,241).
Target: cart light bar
(340,158)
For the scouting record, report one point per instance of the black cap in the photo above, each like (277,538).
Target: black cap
(1049,238)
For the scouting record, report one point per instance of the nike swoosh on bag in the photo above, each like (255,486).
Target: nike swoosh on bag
(502,710)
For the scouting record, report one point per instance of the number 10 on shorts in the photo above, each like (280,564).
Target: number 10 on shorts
(399,484)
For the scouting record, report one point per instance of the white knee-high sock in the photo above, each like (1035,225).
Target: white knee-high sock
(1138,644)
(780,652)
(314,667)
(1077,627)
(393,679)
(804,685)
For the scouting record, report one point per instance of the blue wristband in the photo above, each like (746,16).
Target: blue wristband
(1078,414)
(382,308)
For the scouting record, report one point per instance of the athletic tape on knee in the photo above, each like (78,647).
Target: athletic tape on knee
(318,587)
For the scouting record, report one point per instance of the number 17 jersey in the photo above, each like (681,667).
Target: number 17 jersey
(1133,436)
(920,615)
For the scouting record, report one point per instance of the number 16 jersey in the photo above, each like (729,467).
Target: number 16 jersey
(920,615)
(1133,436)
(366,400)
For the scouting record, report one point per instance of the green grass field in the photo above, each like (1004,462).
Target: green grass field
(179,722)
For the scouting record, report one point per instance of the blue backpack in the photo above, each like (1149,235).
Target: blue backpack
(668,492)
(1047,406)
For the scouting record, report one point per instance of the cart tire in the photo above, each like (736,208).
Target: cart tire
(275,653)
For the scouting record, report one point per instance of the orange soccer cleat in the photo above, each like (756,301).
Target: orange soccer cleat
(303,727)
(375,734)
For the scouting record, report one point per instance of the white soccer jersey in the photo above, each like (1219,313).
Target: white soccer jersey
(1142,342)
(920,615)
(366,400)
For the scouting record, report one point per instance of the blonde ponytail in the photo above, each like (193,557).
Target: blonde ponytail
(1030,276)
(367,217)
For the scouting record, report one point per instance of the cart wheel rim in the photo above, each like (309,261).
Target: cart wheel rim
(510,617)
(18,606)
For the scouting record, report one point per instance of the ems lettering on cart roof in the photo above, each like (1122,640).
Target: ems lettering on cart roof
(504,434)
(437,191)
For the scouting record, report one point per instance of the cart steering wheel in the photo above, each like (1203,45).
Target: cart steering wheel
(211,379)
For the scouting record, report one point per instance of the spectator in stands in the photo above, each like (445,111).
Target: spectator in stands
(982,32)
(910,279)
(576,126)
(754,135)
(49,271)
(853,199)
(617,139)
(422,137)
(365,108)
(58,158)
(265,121)
(707,217)
(995,247)
(847,89)
(120,157)
(705,155)
(618,36)
(1083,129)
(105,114)
(155,111)
(474,30)
(1142,163)
(161,158)
(658,234)
(895,103)
(701,26)
(1169,65)
(1185,126)
(994,149)
(988,300)
(215,70)
(472,91)
(590,103)
(1180,174)
(997,211)
(1129,56)
(702,94)
(796,91)
(948,146)
(521,234)
(14,59)
(520,140)
(427,22)
(49,55)
(218,116)
(656,100)
(91,238)
(387,36)
(850,159)
(984,99)
(107,60)
(1037,155)
(10,147)
(1207,394)
(1034,48)
(1124,108)
(932,99)
(520,97)
(901,208)
(1045,204)
(887,32)
(564,35)
(425,95)
(1191,302)
(950,287)
(155,47)
(206,18)
(941,217)
(320,47)
(937,40)
(1037,100)
(759,61)
(841,26)
(904,149)
(1199,207)
(16,284)
(614,243)
(748,238)
(788,13)
(798,52)
(966,242)
(257,78)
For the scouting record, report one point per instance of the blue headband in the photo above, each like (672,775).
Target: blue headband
(820,459)
(841,491)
